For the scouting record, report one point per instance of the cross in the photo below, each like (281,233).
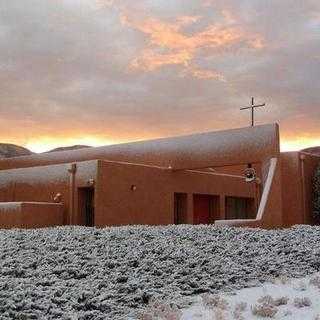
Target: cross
(252,107)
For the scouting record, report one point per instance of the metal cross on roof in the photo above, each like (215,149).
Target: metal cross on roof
(252,107)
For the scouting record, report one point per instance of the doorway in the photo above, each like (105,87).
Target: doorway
(206,208)
(180,208)
(86,206)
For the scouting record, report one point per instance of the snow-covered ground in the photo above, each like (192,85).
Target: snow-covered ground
(283,298)
(116,273)
(290,299)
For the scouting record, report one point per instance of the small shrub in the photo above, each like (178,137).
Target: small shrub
(238,310)
(302,302)
(273,302)
(219,314)
(161,311)
(284,279)
(264,310)
(300,286)
(214,301)
(281,301)
(315,281)
(266,300)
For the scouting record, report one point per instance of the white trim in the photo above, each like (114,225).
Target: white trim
(267,188)
(263,201)
(217,174)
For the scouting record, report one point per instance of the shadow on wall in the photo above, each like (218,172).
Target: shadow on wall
(316,195)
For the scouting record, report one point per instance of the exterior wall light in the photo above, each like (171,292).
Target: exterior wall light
(57,198)
(133,187)
(250,175)
(91,182)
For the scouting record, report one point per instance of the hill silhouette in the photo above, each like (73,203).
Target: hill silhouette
(8,150)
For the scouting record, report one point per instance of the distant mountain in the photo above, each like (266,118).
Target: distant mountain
(8,150)
(313,150)
(76,147)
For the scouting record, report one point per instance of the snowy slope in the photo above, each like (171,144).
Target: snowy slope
(112,273)
(292,299)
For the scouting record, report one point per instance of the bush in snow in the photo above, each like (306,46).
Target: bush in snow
(238,310)
(268,300)
(302,302)
(315,281)
(267,306)
(158,310)
(219,314)
(281,301)
(264,310)
(300,286)
(214,301)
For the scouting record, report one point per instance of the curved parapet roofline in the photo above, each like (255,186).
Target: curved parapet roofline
(211,149)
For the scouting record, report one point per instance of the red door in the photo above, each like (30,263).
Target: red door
(201,209)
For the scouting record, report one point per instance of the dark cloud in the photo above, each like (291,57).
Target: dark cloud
(122,70)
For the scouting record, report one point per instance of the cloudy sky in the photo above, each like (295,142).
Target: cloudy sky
(107,71)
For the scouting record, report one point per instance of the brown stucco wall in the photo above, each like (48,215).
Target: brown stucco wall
(42,177)
(153,200)
(42,184)
(292,197)
(310,163)
(297,172)
(30,215)
(115,202)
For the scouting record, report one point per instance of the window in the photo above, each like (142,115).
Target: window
(240,208)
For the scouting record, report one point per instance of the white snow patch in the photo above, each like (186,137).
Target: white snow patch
(122,272)
(292,299)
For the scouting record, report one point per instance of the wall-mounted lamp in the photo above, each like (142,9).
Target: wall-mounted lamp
(250,175)
(90,182)
(133,187)
(57,198)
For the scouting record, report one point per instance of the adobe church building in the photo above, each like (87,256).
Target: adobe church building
(235,177)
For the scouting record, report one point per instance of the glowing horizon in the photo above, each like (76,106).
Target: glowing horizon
(299,144)
(47,144)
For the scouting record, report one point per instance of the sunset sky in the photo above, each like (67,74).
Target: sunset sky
(108,71)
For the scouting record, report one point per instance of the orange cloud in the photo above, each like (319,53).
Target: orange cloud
(151,60)
(169,44)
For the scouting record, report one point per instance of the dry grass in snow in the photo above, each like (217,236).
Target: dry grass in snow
(280,299)
(290,299)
